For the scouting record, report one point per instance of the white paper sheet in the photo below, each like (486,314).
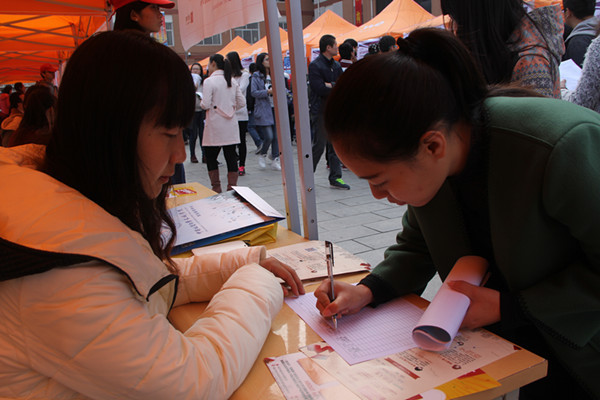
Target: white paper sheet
(440,322)
(300,378)
(371,333)
(405,374)
(571,73)
(212,216)
(308,259)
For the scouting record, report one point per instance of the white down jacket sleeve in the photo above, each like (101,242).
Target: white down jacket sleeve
(85,329)
(200,277)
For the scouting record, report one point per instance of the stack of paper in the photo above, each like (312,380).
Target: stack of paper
(219,217)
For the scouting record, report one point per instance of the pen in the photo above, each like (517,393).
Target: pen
(329,259)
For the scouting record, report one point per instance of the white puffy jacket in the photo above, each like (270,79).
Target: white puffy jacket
(98,330)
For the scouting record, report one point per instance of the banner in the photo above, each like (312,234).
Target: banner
(358,12)
(199,19)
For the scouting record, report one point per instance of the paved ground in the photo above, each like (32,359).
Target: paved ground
(353,219)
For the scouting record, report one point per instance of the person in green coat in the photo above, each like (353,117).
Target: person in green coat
(493,172)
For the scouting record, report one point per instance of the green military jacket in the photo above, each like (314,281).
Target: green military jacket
(543,188)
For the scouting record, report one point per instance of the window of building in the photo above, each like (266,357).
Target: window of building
(165,34)
(214,40)
(169,29)
(250,33)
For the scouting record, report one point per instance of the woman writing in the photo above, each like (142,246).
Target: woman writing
(494,174)
(221,98)
(86,279)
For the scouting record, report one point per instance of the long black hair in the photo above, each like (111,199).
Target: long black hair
(93,147)
(236,63)
(432,79)
(259,63)
(222,63)
(485,26)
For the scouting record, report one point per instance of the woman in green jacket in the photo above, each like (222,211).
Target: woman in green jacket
(492,173)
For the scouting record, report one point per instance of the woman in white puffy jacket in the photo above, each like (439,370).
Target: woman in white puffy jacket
(221,98)
(86,279)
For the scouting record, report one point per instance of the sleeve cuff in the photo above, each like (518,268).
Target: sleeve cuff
(382,292)
(512,316)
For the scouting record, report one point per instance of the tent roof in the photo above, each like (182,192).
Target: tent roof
(237,44)
(441,21)
(393,20)
(55,7)
(327,23)
(45,32)
(261,46)
(34,32)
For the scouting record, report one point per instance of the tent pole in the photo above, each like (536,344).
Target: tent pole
(281,115)
(293,11)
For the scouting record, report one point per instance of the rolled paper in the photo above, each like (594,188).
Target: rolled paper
(442,319)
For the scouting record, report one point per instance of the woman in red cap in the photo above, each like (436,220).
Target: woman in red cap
(144,16)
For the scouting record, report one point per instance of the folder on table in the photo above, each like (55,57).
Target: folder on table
(224,216)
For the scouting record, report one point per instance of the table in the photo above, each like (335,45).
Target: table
(289,333)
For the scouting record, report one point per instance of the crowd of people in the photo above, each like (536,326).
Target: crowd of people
(465,126)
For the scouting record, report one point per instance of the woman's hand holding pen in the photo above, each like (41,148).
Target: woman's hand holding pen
(286,273)
(349,299)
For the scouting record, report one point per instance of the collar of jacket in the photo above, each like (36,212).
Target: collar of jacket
(67,222)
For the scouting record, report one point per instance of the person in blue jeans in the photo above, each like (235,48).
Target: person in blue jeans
(264,118)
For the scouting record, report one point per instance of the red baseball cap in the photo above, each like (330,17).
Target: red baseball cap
(162,3)
(48,68)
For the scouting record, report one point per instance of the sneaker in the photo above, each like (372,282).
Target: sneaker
(339,184)
(262,163)
(258,148)
(242,171)
(276,164)
(194,160)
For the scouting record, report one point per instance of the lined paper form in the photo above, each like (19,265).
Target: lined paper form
(372,333)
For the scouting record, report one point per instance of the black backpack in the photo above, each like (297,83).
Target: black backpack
(249,98)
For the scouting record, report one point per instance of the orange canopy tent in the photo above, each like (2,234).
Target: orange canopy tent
(261,46)
(237,44)
(542,3)
(54,7)
(36,32)
(328,23)
(393,20)
(441,21)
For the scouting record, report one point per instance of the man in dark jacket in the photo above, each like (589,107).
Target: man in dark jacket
(579,15)
(322,74)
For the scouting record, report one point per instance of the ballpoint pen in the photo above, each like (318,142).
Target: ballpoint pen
(329,259)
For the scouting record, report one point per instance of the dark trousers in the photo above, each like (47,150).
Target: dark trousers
(319,143)
(194,131)
(179,176)
(243,125)
(212,152)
